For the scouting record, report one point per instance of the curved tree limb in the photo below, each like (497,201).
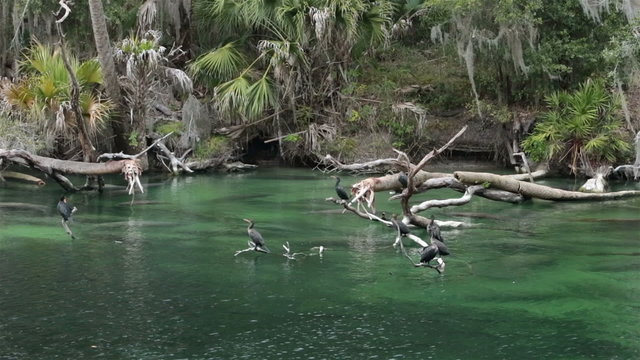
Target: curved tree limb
(448,202)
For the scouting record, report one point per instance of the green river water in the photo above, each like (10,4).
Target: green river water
(541,280)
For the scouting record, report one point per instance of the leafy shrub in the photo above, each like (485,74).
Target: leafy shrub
(583,127)
(213,147)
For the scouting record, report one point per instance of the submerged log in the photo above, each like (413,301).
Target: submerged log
(535,190)
(21,176)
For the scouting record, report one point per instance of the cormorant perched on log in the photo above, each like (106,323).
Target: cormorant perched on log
(342,193)
(66,210)
(434,229)
(403,180)
(442,248)
(428,253)
(402,227)
(256,239)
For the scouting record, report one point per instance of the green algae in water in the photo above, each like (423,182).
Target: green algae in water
(540,280)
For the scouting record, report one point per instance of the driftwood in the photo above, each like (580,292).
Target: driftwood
(452,183)
(176,165)
(128,165)
(364,191)
(447,202)
(508,188)
(21,176)
(535,190)
(55,167)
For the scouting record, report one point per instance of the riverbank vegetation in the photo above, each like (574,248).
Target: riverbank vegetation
(293,81)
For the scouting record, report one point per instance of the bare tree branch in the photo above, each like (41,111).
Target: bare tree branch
(63,7)
(447,202)
(122,156)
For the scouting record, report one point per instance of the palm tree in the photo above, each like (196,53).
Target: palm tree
(142,62)
(583,129)
(105,56)
(300,59)
(46,92)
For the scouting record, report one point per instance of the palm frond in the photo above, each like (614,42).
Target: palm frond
(290,17)
(180,80)
(232,95)
(20,95)
(95,111)
(225,15)
(89,72)
(261,96)
(219,65)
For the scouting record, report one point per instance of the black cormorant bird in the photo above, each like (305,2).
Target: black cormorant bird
(404,229)
(434,229)
(403,179)
(442,248)
(66,210)
(342,193)
(256,239)
(428,253)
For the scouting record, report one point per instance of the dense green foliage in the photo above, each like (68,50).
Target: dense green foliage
(45,90)
(580,128)
(312,73)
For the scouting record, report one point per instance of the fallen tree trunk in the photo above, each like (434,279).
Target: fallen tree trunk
(55,167)
(392,182)
(451,183)
(535,190)
(47,165)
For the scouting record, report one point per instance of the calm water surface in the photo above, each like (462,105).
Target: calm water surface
(159,280)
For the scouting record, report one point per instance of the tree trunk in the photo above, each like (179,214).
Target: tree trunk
(55,168)
(3,36)
(105,56)
(49,165)
(535,190)
(88,151)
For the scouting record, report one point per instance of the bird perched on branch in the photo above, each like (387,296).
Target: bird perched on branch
(442,248)
(434,229)
(428,253)
(403,179)
(66,210)
(342,193)
(257,242)
(400,226)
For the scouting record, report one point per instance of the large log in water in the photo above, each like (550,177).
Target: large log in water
(535,190)
(55,168)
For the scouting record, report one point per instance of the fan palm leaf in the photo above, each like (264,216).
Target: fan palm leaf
(233,94)
(374,26)
(89,73)
(220,64)
(261,95)
(581,126)
(225,15)
(20,95)
(95,112)
(290,18)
